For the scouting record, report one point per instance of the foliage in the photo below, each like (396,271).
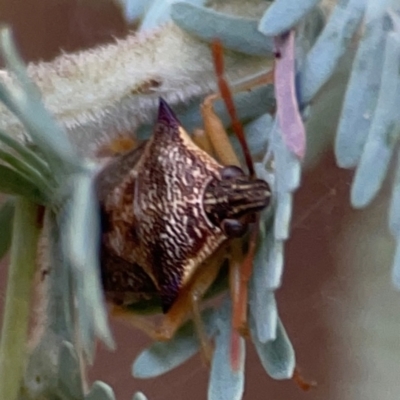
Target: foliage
(49,163)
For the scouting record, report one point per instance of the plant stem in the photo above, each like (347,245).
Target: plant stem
(18,298)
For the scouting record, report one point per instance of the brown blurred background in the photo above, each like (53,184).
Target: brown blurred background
(336,301)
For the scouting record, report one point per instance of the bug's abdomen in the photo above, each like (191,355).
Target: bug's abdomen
(125,283)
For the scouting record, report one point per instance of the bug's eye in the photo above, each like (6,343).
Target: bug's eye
(233,228)
(231,171)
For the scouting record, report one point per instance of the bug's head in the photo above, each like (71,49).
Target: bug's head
(232,201)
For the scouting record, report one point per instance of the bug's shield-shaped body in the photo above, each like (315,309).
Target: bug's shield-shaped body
(167,207)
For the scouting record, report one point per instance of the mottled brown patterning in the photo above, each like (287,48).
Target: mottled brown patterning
(166,208)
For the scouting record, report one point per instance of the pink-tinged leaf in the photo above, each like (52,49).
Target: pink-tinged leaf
(290,122)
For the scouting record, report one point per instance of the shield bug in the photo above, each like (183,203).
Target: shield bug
(168,208)
(170,211)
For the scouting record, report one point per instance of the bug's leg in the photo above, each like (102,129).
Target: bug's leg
(139,322)
(185,306)
(214,129)
(187,302)
(202,140)
(216,133)
(205,344)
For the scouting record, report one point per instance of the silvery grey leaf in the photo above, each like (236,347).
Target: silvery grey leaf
(263,311)
(257,136)
(28,171)
(394,212)
(26,154)
(377,9)
(361,95)
(86,323)
(277,356)
(268,261)
(208,24)
(307,32)
(225,383)
(25,103)
(69,373)
(139,396)
(161,357)
(332,43)
(283,15)
(381,139)
(134,9)
(41,373)
(60,309)
(81,246)
(283,215)
(265,320)
(6,224)
(269,177)
(159,12)
(100,391)
(396,266)
(258,133)
(275,265)
(14,183)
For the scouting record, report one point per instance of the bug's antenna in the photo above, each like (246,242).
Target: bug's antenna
(226,94)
